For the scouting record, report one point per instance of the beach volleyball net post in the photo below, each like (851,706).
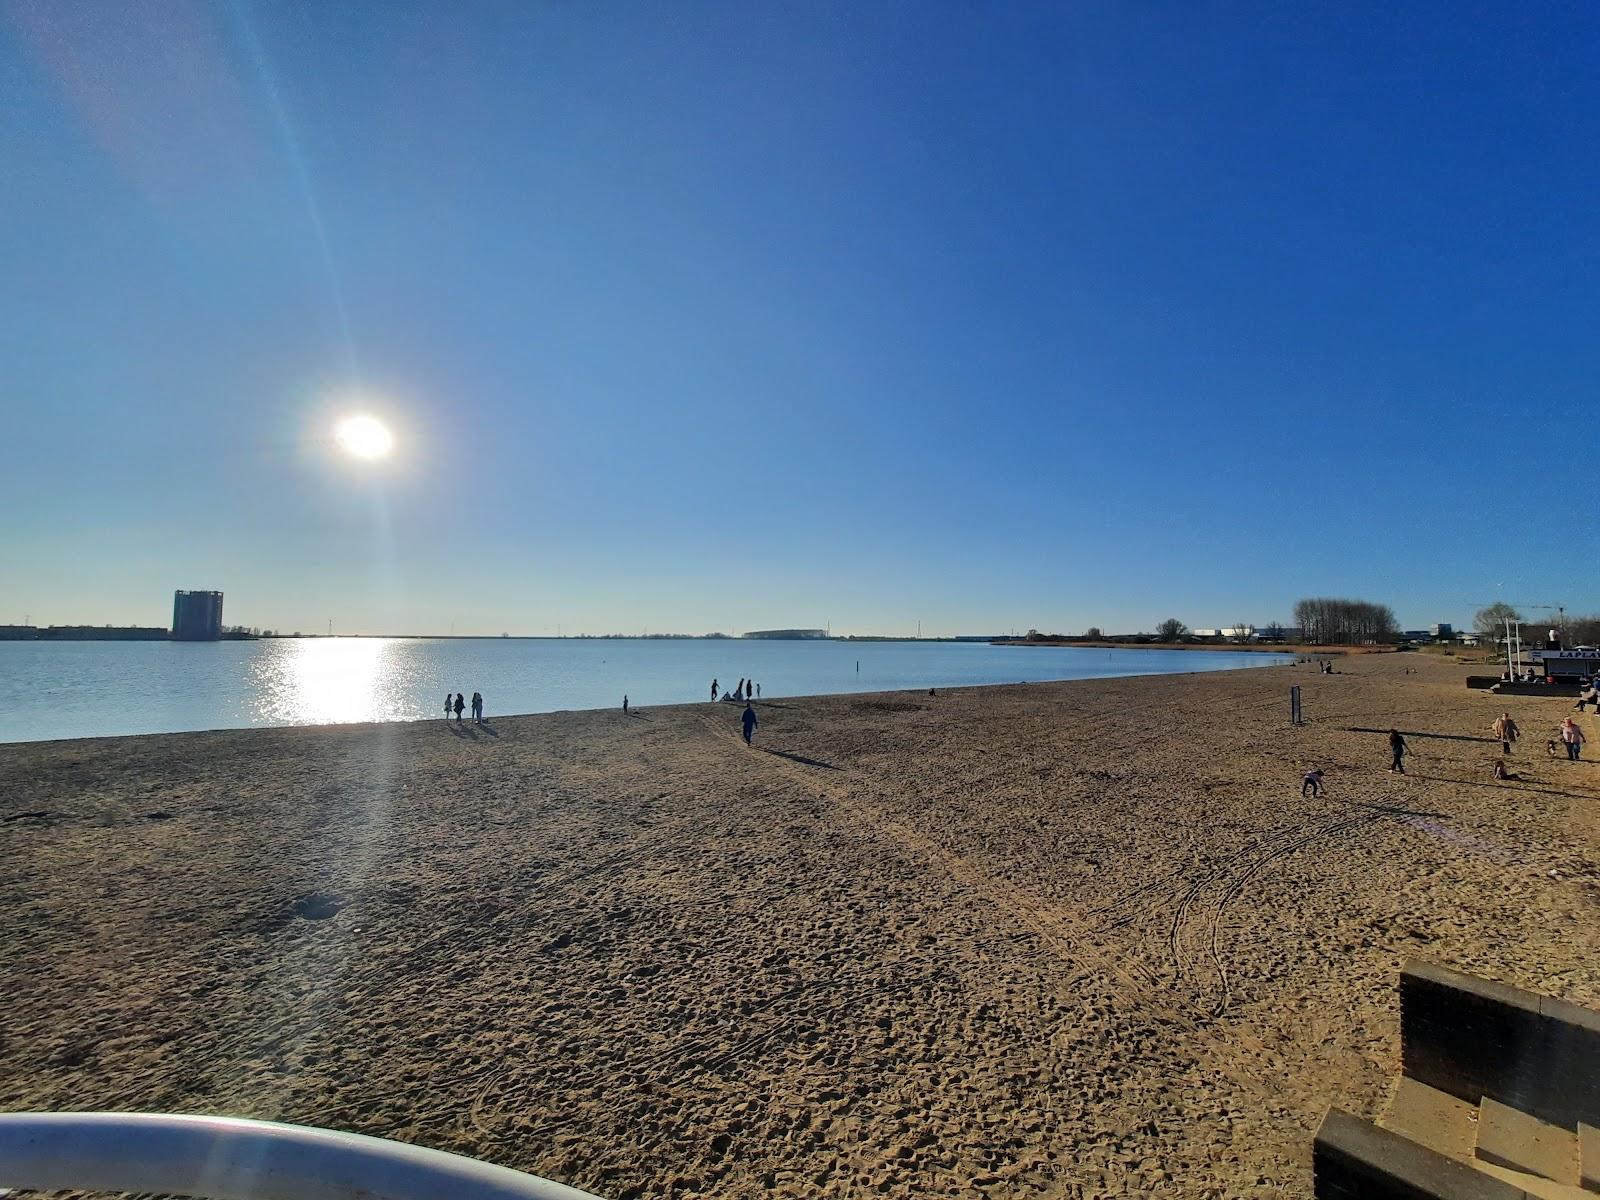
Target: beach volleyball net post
(229,1158)
(1294,705)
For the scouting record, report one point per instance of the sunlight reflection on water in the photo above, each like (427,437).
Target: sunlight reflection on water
(330,680)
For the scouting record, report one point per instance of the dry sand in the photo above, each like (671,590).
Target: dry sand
(1067,939)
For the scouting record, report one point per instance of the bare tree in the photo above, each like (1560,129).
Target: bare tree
(1345,622)
(1491,622)
(1171,629)
(1583,631)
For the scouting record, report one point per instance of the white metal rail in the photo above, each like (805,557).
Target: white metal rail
(228,1158)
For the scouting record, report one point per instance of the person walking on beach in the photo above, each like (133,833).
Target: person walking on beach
(477,708)
(1311,783)
(1397,751)
(713,689)
(1571,737)
(758,696)
(750,722)
(448,705)
(461,707)
(624,703)
(1506,730)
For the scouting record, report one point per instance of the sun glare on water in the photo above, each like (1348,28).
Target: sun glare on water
(364,437)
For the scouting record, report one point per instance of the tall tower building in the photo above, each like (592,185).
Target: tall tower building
(196,616)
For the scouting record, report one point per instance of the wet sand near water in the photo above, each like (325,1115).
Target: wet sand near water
(1056,940)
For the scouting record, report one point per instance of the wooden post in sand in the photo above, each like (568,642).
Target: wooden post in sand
(1294,705)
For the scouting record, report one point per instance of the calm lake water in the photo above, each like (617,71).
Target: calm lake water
(92,689)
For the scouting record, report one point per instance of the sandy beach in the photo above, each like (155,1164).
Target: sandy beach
(1054,940)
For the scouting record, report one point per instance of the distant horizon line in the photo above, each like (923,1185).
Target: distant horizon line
(249,633)
(1190,639)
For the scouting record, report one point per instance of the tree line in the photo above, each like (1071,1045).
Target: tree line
(1330,621)
(1335,622)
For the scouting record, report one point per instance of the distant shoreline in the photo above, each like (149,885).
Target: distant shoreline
(1249,647)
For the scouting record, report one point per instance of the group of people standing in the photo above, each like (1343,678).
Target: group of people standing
(456,704)
(747,690)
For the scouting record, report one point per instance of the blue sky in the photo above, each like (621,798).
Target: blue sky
(702,317)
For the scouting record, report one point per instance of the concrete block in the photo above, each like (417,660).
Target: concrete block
(1472,1038)
(1514,1139)
(1353,1159)
(1535,1186)
(1432,1118)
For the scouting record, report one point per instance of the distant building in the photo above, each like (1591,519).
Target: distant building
(1442,630)
(788,635)
(196,616)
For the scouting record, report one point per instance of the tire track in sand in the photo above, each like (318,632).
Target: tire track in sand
(1069,940)
(1214,922)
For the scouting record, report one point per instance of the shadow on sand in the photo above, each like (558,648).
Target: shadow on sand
(801,759)
(1418,733)
(1519,784)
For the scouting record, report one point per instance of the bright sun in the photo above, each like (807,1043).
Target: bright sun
(364,437)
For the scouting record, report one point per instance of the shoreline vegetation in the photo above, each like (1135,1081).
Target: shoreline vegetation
(1078,938)
(1255,647)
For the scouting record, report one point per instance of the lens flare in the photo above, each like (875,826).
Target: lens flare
(364,437)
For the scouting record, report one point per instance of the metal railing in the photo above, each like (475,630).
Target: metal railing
(229,1158)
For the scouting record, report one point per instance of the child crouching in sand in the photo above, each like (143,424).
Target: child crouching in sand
(1311,783)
